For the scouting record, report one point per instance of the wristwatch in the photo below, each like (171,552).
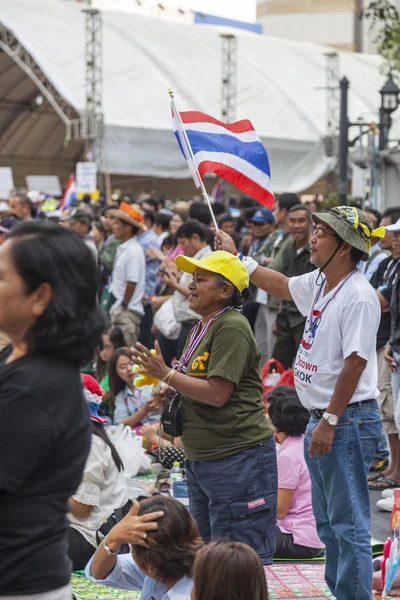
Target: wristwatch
(108,550)
(332,420)
(124,304)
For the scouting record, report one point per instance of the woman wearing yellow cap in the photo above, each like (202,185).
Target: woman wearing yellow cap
(229,445)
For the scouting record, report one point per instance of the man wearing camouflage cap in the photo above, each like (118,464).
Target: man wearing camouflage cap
(336,380)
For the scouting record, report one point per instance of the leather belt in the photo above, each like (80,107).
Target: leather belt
(318,412)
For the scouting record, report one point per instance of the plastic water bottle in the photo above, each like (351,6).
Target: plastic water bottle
(175,474)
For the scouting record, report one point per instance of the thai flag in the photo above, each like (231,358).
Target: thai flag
(69,193)
(231,150)
(217,193)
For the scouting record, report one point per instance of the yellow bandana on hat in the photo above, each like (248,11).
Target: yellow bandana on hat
(352,217)
(352,226)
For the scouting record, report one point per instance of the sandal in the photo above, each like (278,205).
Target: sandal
(387,482)
(374,476)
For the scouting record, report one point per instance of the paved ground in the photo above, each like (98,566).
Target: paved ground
(380,520)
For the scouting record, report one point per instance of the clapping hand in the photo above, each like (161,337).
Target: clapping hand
(171,278)
(167,263)
(161,397)
(151,406)
(152,364)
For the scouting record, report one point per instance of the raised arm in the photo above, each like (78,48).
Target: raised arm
(266,279)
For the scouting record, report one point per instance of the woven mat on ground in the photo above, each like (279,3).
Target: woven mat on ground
(83,589)
(147,482)
(299,581)
(305,582)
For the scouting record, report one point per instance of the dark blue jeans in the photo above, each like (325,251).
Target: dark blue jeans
(236,497)
(340,499)
(382,452)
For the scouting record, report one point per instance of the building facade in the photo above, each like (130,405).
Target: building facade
(180,10)
(333,23)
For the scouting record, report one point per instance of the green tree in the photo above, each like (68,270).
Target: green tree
(384,18)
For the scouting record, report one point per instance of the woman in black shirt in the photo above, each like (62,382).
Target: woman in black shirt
(48,308)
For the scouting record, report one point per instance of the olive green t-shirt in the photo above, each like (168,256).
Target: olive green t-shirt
(228,350)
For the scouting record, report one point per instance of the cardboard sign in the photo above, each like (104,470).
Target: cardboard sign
(48,184)
(86,179)
(6,182)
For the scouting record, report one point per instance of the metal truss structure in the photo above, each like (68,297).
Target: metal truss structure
(93,120)
(90,126)
(229,77)
(16,51)
(332,103)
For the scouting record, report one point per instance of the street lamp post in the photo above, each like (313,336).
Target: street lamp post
(389,103)
(343,140)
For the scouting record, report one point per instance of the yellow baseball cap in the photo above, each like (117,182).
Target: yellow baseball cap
(219,262)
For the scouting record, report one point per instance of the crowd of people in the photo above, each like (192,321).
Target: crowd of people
(99,291)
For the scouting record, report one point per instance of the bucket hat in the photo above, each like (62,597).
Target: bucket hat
(352,226)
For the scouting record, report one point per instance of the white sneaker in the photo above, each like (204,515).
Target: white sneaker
(385,504)
(389,493)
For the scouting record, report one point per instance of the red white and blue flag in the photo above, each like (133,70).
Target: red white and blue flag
(218,193)
(232,151)
(69,193)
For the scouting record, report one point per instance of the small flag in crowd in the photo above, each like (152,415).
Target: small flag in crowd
(231,150)
(69,193)
(218,193)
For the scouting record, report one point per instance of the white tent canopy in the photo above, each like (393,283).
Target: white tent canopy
(281,86)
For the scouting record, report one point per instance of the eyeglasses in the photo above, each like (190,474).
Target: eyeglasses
(320,233)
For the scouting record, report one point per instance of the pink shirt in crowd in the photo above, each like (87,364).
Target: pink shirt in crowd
(293,475)
(174,252)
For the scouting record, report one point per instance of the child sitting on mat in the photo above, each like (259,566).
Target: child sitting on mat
(296,533)
(377,580)
(134,406)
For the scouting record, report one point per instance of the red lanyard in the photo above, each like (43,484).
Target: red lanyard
(313,321)
(198,333)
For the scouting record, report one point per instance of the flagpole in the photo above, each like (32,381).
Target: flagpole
(202,186)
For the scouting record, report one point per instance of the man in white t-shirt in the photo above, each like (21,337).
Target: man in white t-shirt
(336,380)
(129,272)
